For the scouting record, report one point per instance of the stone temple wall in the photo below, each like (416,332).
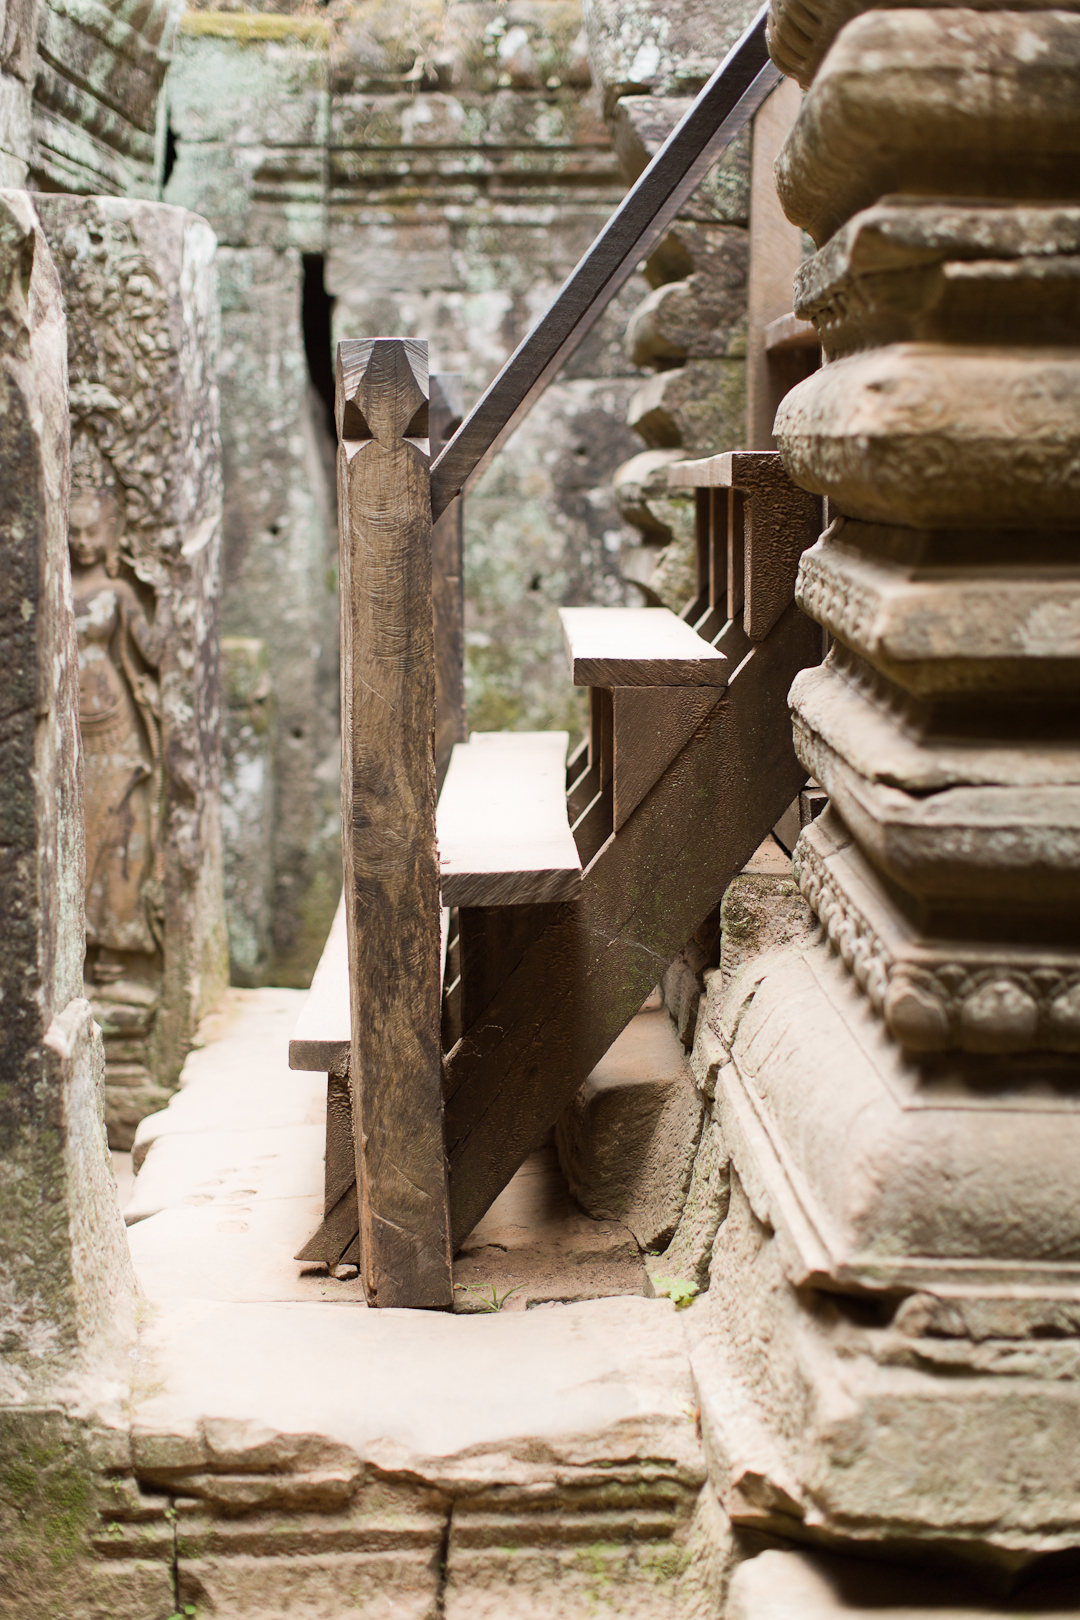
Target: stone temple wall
(80,94)
(432,172)
(689,330)
(145,537)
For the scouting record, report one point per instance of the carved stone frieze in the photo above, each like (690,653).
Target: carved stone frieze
(936,630)
(145,542)
(935,994)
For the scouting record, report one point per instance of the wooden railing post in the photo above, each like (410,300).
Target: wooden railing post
(388,820)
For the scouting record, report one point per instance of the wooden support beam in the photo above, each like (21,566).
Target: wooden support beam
(448,583)
(504,838)
(771,522)
(649,887)
(652,725)
(638,647)
(388,820)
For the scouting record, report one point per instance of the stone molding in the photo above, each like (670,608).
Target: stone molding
(936,995)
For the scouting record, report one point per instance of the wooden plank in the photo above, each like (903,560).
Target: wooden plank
(652,725)
(448,584)
(388,821)
(772,522)
(583,979)
(504,837)
(726,104)
(638,647)
(322,1035)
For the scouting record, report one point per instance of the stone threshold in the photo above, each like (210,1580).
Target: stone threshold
(294,1453)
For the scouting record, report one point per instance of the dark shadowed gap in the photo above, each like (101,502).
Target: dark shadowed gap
(317,310)
(170,155)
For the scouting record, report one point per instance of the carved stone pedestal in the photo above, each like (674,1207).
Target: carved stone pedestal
(897,1284)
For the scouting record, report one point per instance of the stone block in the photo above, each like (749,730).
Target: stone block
(659,50)
(983,632)
(993,118)
(944,272)
(97,84)
(639,127)
(627,1142)
(920,434)
(699,407)
(331,1586)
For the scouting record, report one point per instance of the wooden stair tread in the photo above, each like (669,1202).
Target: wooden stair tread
(638,647)
(322,1035)
(504,835)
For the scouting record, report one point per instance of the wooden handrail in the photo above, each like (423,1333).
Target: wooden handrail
(723,108)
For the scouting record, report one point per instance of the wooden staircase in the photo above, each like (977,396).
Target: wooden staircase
(478,970)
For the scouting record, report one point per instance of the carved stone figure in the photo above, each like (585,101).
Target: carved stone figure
(144,539)
(120,721)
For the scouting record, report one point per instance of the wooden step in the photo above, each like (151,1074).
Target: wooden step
(638,647)
(504,836)
(753,526)
(577,987)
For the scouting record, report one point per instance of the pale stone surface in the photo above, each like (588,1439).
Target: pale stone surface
(454,1399)
(327,1462)
(535,1247)
(627,1141)
(146,532)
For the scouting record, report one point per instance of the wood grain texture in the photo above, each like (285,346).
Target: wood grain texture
(504,837)
(583,979)
(322,1035)
(388,821)
(652,725)
(638,647)
(448,583)
(722,110)
(771,522)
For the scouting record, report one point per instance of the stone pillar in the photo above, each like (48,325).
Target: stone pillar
(896,1289)
(66,1286)
(145,543)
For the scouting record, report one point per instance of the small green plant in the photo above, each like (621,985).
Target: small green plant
(680,1293)
(493,1301)
(186,1613)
